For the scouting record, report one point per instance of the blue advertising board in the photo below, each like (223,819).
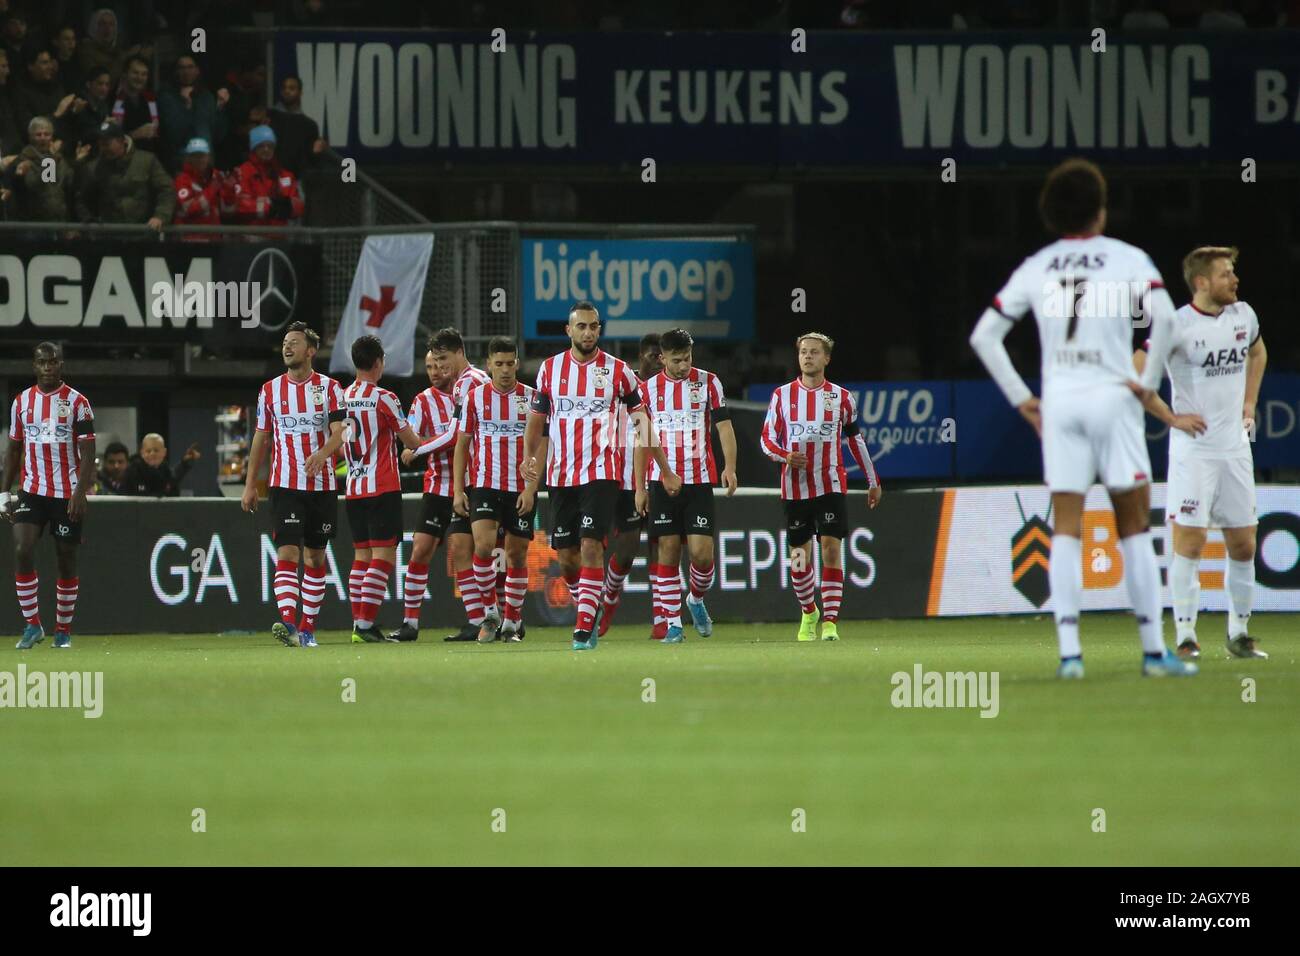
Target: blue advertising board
(705,286)
(834,99)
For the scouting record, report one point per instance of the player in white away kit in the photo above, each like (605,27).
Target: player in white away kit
(373,496)
(808,421)
(1085,291)
(53,430)
(302,413)
(492,422)
(1216,365)
(577,394)
(683,402)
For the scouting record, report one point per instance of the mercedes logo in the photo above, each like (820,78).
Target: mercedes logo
(277,297)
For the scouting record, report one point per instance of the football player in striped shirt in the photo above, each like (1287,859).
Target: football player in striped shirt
(433,417)
(300,414)
(808,421)
(53,430)
(1216,366)
(374,491)
(683,402)
(577,395)
(492,422)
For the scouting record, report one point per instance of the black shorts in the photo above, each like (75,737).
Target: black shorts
(827,514)
(627,518)
(459,525)
(435,515)
(304,518)
(583,511)
(41,510)
(489,504)
(376,521)
(690,511)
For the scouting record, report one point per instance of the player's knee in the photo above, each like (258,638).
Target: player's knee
(592,550)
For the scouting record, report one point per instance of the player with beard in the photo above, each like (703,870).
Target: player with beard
(56,428)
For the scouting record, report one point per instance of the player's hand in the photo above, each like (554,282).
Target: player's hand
(408,456)
(642,501)
(460,504)
(729,481)
(1192,424)
(1031,411)
(248,501)
(796,459)
(529,468)
(672,482)
(77,505)
(524,503)
(191,453)
(8,503)
(874,494)
(315,463)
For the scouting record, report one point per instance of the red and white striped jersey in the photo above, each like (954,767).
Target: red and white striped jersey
(369,439)
(815,421)
(298,415)
(471,375)
(494,422)
(433,415)
(626,447)
(682,413)
(50,424)
(580,401)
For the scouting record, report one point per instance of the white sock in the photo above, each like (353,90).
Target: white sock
(1142,578)
(1185,594)
(1241,593)
(1065,575)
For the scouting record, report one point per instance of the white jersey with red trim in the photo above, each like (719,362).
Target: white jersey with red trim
(375,417)
(433,415)
(298,415)
(682,415)
(49,425)
(471,376)
(580,400)
(495,422)
(816,422)
(1088,295)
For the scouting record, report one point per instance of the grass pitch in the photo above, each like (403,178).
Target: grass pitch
(444,740)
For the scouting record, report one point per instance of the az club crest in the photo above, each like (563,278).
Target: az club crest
(1031,550)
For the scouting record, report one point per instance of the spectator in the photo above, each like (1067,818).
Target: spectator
(112,475)
(298,138)
(101,48)
(40,93)
(42,200)
(189,110)
(198,189)
(244,86)
(64,48)
(1219,15)
(261,191)
(10,137)
(135,107)
(149,475)
(123,184)
(85,124)
(15,35)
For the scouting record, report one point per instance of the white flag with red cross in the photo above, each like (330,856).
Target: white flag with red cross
(385,300)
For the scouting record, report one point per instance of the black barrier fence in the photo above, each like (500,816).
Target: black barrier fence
(204,566)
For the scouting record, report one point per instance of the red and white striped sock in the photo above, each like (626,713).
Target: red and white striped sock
(656,601)
(832,592)
(615,578)
(701,579)
(572,581)
(375,589)
(65,590)
(286,590)
(589,581)
(670,594)
(313,592)
(356,577)
(27,586)
(516,590)
(417,576)
(485,572)
(805,585)
(469,594)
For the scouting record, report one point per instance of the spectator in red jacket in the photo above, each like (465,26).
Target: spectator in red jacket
(198,190)
(262,192)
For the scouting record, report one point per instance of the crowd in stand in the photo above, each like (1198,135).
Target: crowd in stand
(86,136)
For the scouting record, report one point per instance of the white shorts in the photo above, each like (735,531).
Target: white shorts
(1211,492)
(1094,435)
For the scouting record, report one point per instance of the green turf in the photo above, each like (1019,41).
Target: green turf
(746,727)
